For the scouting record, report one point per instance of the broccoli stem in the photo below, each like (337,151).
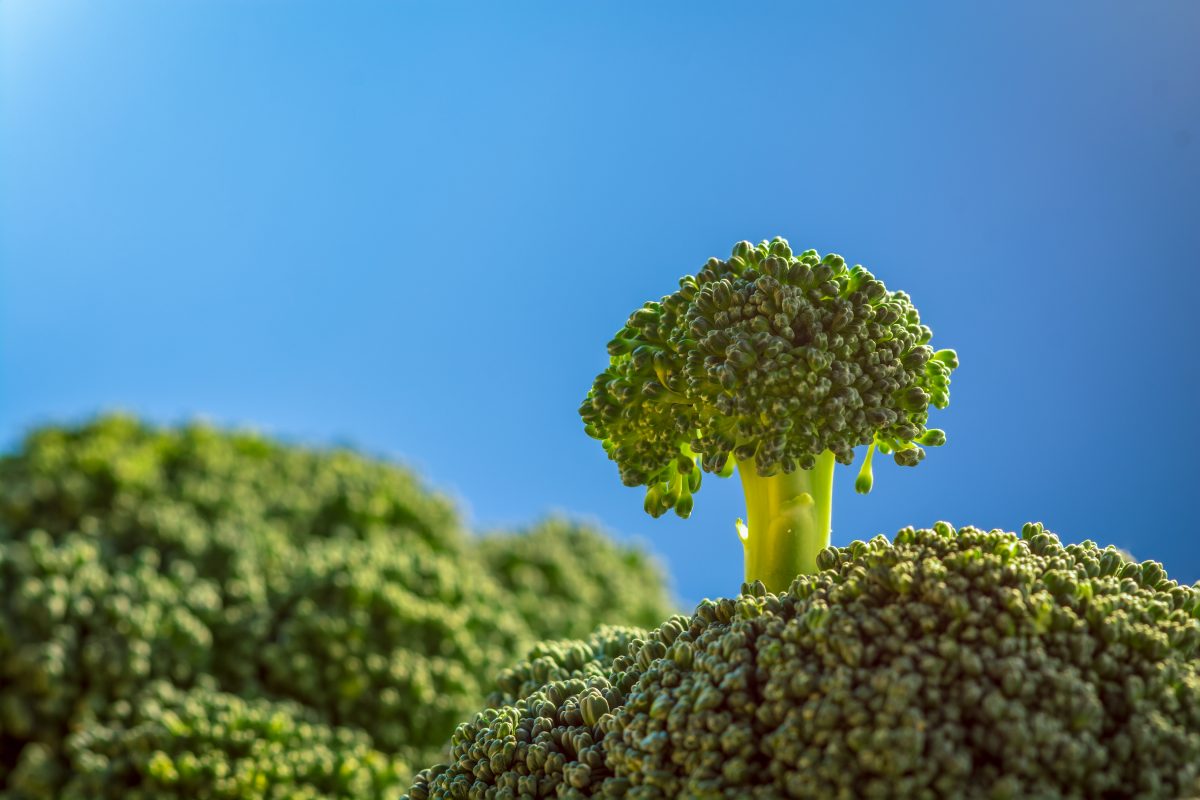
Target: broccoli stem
(787,521)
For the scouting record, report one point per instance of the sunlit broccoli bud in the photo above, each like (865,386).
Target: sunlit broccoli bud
(934,437)
(684,505)
(947,357)
(909,457)
(866,476)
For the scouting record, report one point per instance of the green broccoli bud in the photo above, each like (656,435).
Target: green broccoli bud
(780,364)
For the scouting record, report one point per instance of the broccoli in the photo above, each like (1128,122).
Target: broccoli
(169,743)
(398,642)
(776,365)
(566,577)
(131,554)
(945,663)
(78,633)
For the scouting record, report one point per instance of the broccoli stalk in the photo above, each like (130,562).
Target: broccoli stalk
(787,521)
(776,365)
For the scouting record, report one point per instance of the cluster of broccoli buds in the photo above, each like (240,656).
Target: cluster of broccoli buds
(946,663)
(767,358)
(131,554)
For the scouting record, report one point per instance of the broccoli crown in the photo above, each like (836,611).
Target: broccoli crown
(942,664)
(767,356)
(566,577)
(169,743)
(185,555)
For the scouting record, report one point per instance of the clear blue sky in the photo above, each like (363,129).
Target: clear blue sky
(413,227)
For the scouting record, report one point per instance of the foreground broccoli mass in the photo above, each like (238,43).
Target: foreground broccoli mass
(945,663)
(777,365)
(132,555)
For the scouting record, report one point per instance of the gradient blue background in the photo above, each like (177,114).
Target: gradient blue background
(413,227)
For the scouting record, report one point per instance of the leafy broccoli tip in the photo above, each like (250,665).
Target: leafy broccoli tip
(777,365)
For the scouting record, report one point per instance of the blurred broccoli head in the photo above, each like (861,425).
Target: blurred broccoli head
(943,664)
(769,358)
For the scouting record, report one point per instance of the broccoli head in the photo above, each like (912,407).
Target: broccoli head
(946,663)
(778,365)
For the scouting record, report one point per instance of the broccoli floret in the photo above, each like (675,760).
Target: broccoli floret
(777,365)
(566,577)
(202,743)
(942,664)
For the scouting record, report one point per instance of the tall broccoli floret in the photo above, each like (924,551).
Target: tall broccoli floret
(776,365)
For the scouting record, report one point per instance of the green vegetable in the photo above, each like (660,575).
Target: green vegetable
(945,663)
(131,554)
(776,365)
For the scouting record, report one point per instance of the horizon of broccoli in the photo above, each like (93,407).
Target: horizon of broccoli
(776,365)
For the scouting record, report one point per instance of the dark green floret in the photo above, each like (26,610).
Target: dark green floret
(945,663)
(776,364)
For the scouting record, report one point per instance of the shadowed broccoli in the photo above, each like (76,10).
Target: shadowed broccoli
(776,365)
(946,663)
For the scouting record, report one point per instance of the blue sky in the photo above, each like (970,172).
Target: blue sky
(413,227)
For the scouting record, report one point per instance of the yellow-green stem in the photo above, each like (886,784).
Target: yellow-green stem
(787,521)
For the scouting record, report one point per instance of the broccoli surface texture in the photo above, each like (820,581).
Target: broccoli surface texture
(132,555)
(945,663)
(776,364)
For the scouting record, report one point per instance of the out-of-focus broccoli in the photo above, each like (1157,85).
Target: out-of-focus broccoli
(566,577)
(130,553)
(395,641)
(776,364)
(170,743)
(942,664)
(78,633)
(206,495)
